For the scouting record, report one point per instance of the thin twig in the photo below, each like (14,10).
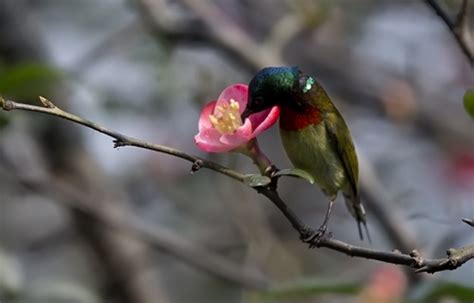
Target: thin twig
(455,27)
(120,139)
(469,222)
(461,17)
(455,258)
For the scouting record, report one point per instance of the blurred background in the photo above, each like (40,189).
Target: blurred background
(81,221)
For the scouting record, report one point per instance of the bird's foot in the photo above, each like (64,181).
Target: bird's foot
(313,238)
(271,171)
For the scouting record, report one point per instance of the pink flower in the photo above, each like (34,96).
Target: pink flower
(387,285)
(220,126)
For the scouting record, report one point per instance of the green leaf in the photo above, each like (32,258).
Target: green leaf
(295,172)
(306,288)
(255,180)
(469,102)
(4,119)
(451,290)
(27,79)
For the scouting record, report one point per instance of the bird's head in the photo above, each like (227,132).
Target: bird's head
(269,87)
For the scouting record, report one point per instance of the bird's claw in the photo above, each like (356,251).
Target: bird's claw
(271,171)
(313,238)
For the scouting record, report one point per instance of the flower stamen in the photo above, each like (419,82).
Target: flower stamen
(226,118)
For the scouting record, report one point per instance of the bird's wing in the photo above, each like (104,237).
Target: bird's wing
(340,138)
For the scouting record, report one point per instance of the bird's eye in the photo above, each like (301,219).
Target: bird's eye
(259,101)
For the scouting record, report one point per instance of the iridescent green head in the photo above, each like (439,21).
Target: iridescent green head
(269,87)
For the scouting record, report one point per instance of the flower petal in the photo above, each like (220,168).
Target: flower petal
(238,92)
(269,117)
(208,140)
(204,121)
(258,118)
(241,135)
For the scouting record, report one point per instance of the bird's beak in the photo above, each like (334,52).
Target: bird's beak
(247,112)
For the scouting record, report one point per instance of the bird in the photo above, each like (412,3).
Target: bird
(314,135)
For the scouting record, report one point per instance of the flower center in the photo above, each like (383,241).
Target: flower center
(226,118)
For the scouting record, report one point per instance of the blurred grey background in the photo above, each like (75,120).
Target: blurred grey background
(145,68)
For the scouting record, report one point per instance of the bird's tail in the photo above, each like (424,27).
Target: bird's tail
(355,207)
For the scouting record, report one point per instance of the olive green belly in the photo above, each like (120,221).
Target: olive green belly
(309,149)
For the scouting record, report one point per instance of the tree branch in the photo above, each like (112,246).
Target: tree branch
(454,259)
(469,222)
(456,27)
(120,139)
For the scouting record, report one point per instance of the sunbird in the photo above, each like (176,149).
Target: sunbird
(314,135)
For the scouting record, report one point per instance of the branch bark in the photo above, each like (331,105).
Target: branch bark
(469,222)
(456,27)
(455,257)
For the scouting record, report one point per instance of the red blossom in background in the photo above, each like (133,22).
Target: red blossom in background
(220,126)
(387,285)
(461,168)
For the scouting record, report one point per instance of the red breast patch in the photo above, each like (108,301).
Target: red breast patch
(292,120)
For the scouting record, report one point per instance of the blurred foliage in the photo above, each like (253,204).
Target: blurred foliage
(448,290)
(27,80)
(11,276)
(306,288)
(436,292)
(61,291)
(469,102)
(4,119)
